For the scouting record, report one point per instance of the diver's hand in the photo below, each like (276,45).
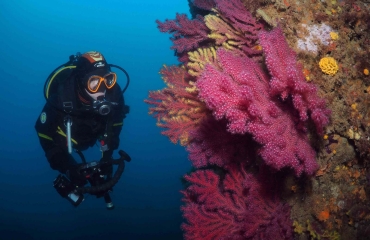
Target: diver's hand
(107,155)
(74,175)
(107,168)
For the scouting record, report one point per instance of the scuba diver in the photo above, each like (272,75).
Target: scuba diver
(84,104)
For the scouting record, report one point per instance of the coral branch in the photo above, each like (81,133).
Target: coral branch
(238,207)
(204,4)
(233,28)
(288,79)
(238,16)
(198,59)
(176,107)
(212,145)
(187,34)
(241,20)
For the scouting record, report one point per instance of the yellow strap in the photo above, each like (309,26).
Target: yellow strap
(44,136)
(60,131)
(52,78)
(118,124)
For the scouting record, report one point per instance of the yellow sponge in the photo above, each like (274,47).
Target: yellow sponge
(328,65)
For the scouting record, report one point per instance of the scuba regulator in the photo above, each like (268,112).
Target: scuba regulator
(102,107)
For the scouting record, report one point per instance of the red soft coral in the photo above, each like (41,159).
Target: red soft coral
(238,206)
(187,34)
(234,12)
(211,144)
(204,4)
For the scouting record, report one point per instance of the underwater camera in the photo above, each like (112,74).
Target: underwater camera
(67,190)
(98,174)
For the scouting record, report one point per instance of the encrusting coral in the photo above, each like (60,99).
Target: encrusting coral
(328,65)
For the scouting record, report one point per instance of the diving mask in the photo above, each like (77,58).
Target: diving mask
(94,81)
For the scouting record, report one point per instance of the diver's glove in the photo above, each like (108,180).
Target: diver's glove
(74,175)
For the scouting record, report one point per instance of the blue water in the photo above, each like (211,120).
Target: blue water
(39,35)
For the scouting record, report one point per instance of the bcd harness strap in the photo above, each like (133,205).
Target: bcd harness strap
(66,91)
(54,77)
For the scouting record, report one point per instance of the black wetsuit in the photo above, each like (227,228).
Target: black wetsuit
(87,127)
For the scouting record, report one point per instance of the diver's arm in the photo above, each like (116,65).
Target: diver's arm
(56,154)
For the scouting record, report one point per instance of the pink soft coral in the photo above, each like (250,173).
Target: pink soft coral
(240,93)
(288,79)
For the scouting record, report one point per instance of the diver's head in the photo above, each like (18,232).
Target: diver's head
(93,76)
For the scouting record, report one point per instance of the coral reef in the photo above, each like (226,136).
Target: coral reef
(247,103)
(240,206)
(341,183)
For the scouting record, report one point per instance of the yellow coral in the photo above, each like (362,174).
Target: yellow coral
(192,89)
(298,228)
(312,231)
(226,36)
(198,60)
(266,17)
(176,107)
(328,65)
(223,33)
(334,235)
(334,35)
